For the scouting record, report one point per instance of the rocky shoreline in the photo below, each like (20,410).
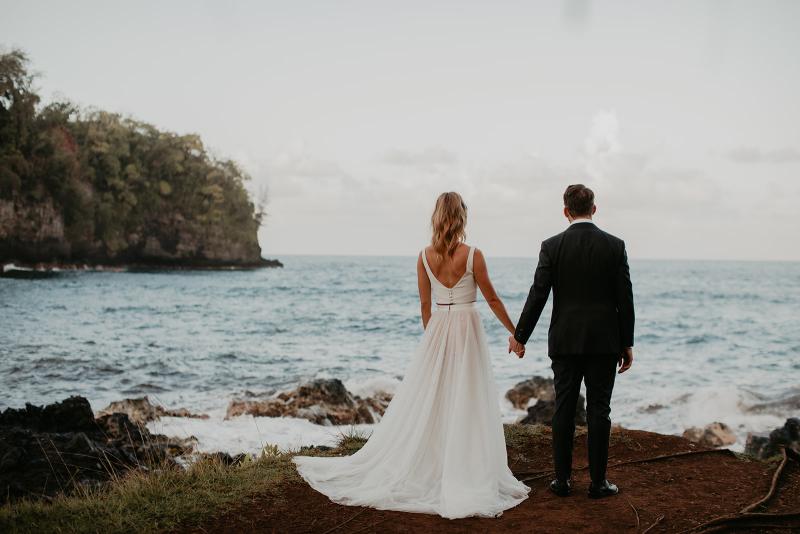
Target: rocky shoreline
(62,446)
(538,397)
(24,270)
(322,401)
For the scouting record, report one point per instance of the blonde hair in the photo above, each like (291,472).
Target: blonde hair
(449,221)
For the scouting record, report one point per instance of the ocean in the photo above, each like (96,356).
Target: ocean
(715,341)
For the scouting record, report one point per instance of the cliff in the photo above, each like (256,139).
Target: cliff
(34,233)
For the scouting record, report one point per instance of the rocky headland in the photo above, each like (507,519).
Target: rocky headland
(91,188)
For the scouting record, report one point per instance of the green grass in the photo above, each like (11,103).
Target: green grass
(165,499)
(518,436)
(175,498)
(351,441)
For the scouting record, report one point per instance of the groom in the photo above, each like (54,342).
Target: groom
(591,330)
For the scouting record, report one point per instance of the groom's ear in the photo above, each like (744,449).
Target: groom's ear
(594,209)
(566,213)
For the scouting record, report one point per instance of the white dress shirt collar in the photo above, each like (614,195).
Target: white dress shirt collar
(576,221)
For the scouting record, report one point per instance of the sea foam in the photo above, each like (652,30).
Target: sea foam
(251,434)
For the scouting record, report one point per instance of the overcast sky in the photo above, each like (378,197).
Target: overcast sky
(683,116)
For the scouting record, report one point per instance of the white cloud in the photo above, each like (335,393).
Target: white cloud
(382,206)
(756,155)
(602,143)
(427,158)
(299,171)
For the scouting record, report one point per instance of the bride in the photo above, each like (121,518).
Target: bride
(439,448)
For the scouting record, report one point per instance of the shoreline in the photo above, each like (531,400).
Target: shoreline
(18,269)
(668,483)
(317,412)
(67,468)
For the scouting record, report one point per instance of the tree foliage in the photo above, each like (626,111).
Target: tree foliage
(115,180)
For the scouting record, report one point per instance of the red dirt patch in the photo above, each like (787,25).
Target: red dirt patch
(686,490)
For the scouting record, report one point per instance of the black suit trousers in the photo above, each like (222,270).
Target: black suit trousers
(598,372)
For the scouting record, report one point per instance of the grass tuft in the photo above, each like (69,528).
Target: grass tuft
(351,441)
(152,501)
(518,436)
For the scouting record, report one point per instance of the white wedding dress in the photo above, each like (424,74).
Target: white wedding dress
(439,448)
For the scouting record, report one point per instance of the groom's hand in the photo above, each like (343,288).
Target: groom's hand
(625,359)
(516,346)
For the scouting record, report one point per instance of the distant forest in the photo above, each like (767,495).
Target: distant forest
(87,185)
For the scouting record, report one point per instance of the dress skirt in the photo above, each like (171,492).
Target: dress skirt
(440,447)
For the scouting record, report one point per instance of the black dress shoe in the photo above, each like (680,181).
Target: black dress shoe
(562,488)
(603,489)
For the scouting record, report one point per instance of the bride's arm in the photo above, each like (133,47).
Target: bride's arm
(485,284)
(424,284)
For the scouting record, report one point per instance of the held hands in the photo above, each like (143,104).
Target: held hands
(625,359)
(515,346)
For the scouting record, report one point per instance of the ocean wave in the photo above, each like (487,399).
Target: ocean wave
(143,388)
(702,338)
(140,308)
(371,386)
(198,338)
(671,410)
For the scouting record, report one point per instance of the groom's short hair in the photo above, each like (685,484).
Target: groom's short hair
(579,200)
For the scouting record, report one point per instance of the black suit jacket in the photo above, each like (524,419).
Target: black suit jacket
(587,269)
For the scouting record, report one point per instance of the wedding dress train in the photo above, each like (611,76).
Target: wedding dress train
(439,448)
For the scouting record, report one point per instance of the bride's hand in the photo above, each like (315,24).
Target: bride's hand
(516,346)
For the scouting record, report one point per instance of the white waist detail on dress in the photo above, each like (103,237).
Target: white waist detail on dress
(454,307)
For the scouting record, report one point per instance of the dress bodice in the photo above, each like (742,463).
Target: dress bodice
(463,292)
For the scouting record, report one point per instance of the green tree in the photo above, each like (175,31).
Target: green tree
(117,181)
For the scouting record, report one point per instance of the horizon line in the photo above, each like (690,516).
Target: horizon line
(721,260)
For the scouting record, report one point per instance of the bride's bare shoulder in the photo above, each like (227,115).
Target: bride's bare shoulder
(478,260)
(475,250)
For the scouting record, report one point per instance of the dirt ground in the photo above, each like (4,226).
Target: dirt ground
(685,491)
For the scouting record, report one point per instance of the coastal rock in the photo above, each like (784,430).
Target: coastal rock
(322,401)
(542,413)
(766,446)
(142,411)
(538,387)
(71,415)
(58,447)
(712,435)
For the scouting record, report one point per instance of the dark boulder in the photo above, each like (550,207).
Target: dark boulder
(542,413)
(538,387)
(58,447)
(70,415)
(766,446)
